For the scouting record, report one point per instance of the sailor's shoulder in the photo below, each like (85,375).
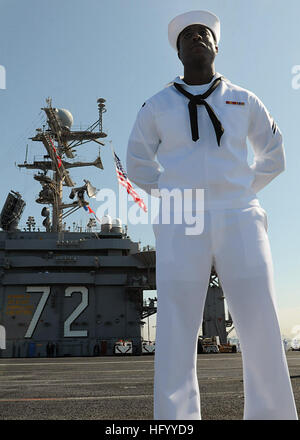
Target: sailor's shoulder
(235,92)
(237,89)
(159,99)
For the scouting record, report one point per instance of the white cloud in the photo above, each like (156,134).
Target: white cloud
(289,320)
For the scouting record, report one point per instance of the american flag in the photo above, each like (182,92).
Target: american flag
(123,179)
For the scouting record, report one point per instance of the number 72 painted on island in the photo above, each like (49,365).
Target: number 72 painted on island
(41,305)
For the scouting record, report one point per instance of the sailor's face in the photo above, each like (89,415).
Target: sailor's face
(196,42)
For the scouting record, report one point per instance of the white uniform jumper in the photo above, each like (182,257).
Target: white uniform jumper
(234,240)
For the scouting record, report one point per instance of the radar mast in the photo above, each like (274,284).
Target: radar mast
(60,141)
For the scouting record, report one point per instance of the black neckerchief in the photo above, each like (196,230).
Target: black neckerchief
(200,100)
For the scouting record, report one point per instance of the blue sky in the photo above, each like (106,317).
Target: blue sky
(77,51)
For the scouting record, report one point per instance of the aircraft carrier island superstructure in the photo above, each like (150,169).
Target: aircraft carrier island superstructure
(81,294)
(65,293)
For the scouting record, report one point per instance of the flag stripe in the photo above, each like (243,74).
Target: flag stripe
(123,180)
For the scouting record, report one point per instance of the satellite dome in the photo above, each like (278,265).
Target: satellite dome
(117,222)
(64,116)
(117,226)
(106,219)
(106,223)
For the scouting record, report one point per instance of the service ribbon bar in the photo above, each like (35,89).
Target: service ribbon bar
(235,102)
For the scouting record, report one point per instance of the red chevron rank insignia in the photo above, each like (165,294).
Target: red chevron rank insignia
(235,102)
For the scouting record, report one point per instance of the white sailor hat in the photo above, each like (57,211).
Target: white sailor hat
(181,21)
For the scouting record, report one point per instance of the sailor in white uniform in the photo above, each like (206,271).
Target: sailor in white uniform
(192,134)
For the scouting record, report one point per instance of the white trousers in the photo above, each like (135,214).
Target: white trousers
(236,242)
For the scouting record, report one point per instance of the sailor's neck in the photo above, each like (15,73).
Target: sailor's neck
(198,77)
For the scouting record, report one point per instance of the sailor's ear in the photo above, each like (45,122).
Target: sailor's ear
(217,49)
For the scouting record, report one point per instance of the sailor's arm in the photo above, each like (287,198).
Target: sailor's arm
(142,168)
(266,140)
